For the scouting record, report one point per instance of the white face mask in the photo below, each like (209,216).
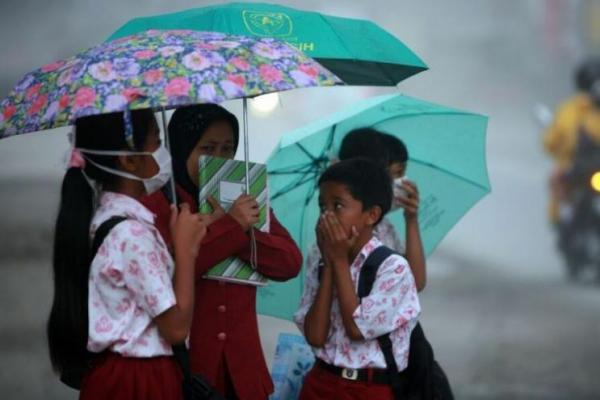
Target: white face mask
(399,192)
(152,184)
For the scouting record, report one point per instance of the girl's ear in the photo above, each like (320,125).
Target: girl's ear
(373,215)
(128,163)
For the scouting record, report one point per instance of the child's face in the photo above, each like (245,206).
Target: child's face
(336,197)
(217,141)
(397,170)
(145,166)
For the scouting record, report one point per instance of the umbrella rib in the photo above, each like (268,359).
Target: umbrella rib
(305,151)
(299,170)
(472,182)
(300,181)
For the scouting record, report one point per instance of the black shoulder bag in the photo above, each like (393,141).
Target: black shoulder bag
(426,379)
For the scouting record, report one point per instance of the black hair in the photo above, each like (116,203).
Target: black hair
(395,148)
(67,327)
(587,73)
(186,128)
(367,181)
(366,143)
(377,146)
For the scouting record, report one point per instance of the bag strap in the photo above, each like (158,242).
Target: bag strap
(366,279)
(103,231)
(368,271)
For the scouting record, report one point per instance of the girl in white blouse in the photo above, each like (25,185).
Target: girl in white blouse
(116,313)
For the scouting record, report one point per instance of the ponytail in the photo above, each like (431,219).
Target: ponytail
(68,322)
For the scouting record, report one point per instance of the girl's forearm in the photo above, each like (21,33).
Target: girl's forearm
(175,323)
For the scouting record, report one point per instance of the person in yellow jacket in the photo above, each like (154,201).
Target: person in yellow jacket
(561,137)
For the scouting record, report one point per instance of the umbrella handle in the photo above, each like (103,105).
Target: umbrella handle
(253,252)
(163,114)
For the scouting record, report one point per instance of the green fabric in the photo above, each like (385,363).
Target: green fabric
(358,51)
(447,161)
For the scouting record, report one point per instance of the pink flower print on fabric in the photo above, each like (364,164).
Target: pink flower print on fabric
(85,97)
(240,63)
(196,61)
(178,87)
(113,274)
(124,305)
(153,259)
(134,269)
(103,71)
(267,51)
(367,304)
(169,51)
(387,285)
(270,74)
(137,229)
(104,325)
(37,104)
(144,54)
(33,91)
(151,301)
(153,76)
(309,70)
(52,66)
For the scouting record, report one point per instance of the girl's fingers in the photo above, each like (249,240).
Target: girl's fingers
(174,215)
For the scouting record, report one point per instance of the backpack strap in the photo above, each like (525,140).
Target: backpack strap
(102,232)
(368,271)
(366,279)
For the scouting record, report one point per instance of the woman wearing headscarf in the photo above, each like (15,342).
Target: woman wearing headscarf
(224,341)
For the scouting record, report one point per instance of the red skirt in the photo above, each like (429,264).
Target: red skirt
(123,378)
(320,384)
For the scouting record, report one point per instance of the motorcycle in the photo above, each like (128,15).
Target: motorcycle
(578,224)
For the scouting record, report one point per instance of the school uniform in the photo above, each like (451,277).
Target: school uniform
(129,285)
(391,307)
(224,340)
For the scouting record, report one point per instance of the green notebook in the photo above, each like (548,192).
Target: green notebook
(225,180)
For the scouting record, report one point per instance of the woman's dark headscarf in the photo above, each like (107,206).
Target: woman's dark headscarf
(186,128)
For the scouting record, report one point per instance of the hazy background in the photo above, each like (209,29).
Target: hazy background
(503,320)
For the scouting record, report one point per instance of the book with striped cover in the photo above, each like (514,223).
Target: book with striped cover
(225,180)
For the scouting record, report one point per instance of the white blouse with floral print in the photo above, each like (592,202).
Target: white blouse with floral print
(130,281)
(391,307)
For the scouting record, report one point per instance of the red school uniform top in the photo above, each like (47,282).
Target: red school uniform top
(224,336)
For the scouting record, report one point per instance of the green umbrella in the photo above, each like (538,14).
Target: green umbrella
(447,161)
(359,52)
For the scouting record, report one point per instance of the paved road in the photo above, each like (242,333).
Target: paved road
(499,334)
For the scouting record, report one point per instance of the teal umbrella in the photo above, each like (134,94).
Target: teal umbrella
(447,161)
(359,52)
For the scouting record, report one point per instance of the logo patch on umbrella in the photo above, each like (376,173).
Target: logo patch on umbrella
(267,23)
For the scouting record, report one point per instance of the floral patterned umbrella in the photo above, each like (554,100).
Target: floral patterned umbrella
(159,70)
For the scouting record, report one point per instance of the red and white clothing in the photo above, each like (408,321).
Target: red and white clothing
(391,307)
(224,342)
(130,281)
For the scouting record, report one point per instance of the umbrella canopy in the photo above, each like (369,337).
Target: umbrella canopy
(446,160)
(156,69)
(359,52)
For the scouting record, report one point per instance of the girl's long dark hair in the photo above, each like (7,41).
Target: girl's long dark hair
(68,323)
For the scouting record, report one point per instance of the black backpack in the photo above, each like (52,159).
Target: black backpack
(424,376)
(195,387)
